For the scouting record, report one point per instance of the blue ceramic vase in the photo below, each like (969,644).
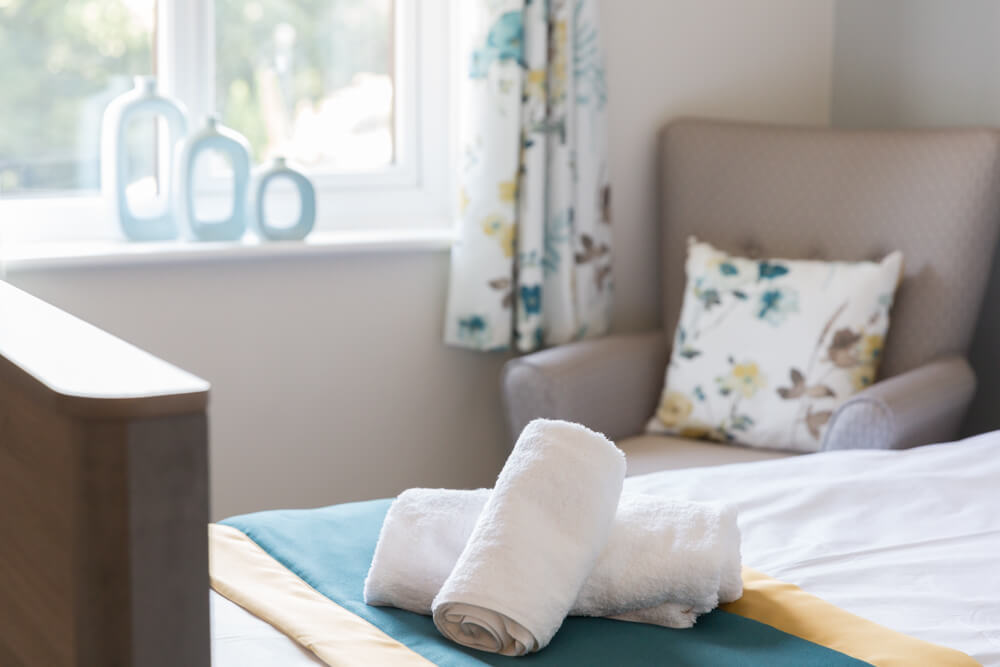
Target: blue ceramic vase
(265,176)
(141,101)
(212,137)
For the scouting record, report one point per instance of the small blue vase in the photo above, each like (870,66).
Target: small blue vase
(263,177)
(212,137)
(141,100)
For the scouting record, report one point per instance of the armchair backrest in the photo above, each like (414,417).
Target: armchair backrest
(811,193)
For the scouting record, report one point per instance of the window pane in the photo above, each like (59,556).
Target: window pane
(62,62)
(311,80)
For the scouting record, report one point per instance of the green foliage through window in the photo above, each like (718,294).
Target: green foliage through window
(310,79)
(63,61)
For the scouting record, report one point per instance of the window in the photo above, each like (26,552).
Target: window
(354,91)
(63,62)
(291,90)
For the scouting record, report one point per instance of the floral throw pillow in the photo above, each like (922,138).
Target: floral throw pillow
(765,350)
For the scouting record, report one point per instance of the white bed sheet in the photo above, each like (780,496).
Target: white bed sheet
(240,639)
(910,540)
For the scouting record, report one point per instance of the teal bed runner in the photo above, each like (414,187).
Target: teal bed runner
(331,549)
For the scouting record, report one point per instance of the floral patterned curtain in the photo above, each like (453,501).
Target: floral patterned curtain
(532,265)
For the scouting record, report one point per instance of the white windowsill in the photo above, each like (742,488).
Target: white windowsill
(34,256)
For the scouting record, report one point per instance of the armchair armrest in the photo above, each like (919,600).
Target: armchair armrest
(610,384)
(919,407)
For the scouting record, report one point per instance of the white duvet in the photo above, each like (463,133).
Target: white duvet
(910,540)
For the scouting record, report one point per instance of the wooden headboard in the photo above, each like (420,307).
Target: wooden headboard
(103,497)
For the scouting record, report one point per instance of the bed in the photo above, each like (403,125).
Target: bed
(907,539)
(104,504)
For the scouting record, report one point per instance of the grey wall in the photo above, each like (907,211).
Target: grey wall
(330,382)
(916,63)
(912,63)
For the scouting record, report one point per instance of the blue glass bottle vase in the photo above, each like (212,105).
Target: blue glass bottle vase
(265,176)
(142,101)
(212,137)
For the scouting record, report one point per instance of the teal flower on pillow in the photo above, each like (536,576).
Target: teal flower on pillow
(726,273)
(728,269)
(708,296)
(769,270)
(776,304)
(473,324)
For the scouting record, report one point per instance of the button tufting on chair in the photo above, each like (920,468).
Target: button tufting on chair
(752,250)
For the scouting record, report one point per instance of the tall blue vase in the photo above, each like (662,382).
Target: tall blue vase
(213,137)
(264,177)
(143,100)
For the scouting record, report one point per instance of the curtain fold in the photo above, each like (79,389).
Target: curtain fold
(532,264)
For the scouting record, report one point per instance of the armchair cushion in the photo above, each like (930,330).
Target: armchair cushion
(610,384)
(652,453)
(920,407)
(766,349)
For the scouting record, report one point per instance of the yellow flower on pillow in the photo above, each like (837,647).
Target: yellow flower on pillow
(674,408)
(744,379)
(870,349)
(701,431)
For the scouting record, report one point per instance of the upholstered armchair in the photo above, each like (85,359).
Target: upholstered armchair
(767,191)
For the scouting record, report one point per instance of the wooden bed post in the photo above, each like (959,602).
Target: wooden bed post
(103,498)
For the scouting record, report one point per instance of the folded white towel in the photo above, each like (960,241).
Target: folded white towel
(665,562)
(535,542)
(663,551)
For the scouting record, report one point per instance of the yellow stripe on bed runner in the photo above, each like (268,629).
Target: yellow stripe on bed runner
(244,573)
(790,609)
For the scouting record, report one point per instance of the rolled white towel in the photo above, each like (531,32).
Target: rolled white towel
(535,542)
(666,561)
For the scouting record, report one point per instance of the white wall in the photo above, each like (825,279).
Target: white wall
(329,379)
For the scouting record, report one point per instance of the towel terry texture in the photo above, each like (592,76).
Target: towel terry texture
(535,542)
(665,561)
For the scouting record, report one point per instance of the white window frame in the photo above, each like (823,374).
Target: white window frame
(412,194)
